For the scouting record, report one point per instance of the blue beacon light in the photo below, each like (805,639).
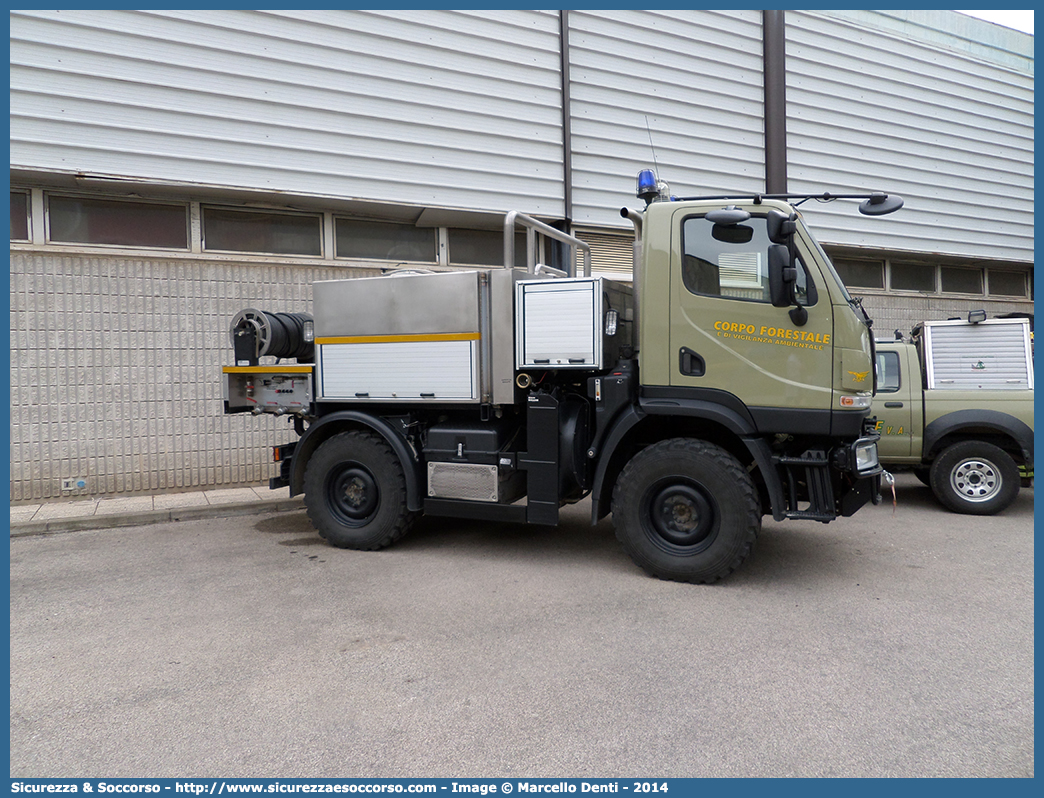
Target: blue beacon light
(648,189)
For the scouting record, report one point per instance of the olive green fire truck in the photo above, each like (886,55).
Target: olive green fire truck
(731,379)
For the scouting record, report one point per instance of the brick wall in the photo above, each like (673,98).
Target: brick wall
(116,371)
(893,312)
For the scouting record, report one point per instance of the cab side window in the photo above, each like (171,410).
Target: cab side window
(888,380)
(732,261)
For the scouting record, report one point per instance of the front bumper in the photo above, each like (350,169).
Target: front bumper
(864,471)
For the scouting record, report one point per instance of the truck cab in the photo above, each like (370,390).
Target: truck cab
(801,365)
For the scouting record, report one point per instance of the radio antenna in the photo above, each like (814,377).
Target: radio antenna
(656,166)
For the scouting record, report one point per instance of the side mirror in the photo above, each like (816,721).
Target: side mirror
(880,204)
(781,276)
(780,226)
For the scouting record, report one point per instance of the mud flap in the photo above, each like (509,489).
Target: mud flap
(863,491)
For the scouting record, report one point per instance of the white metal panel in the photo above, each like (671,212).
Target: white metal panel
(871,109)
(454,108)
(559,323)
(991,355)
(690,80)
(408,370)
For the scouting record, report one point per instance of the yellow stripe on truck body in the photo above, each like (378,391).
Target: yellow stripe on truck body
(399,339)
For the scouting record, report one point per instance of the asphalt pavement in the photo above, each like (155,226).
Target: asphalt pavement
(896,643)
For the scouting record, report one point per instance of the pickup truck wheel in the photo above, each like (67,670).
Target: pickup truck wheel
(355,492)
(975,478)
(686,510)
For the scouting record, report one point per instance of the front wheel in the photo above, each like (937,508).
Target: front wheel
(686,510)
(355,492)
(975,478)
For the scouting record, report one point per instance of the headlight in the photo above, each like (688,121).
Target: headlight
(864,457)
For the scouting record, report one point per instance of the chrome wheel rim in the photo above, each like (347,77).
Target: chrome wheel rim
(976,480)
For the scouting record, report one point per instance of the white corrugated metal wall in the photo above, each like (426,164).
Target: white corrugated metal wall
(463,110)
(869,108)
(457,109)
(691,79)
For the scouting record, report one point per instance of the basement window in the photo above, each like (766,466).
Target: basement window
(82,220)
(486,247)
(19,216)
(913,277)
(385,241)
(262,232)
(961,281)
(860,273)
(1004,283)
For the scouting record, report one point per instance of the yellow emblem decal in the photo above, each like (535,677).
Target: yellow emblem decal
(859,376)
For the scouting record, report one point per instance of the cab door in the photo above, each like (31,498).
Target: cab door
(898,396)
(724,332)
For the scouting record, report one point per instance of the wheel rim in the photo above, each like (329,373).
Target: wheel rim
(352,494)
(976,480)
(680,517)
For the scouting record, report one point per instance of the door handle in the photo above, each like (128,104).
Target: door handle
(893,404)
(690,363)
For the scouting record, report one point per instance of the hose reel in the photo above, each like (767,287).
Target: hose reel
(256,334)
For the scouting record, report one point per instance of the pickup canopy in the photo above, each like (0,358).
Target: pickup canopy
(991,355)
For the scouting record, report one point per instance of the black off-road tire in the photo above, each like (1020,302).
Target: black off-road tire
(686,510)
(975,478)
(355,492)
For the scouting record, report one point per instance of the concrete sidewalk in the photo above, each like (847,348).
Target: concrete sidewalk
(103,513)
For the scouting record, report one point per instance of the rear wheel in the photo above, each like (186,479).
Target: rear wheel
(686,510)
(975,478)
(355,492)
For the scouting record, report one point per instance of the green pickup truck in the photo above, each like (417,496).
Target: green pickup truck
(954,404)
